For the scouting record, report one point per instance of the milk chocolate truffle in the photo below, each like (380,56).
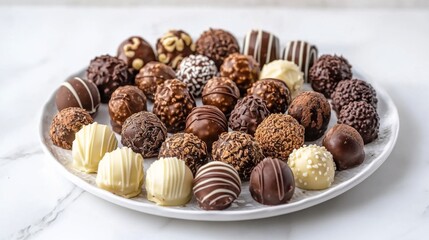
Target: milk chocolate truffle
(263,46)
(303,54)
(278,135)
(242,69)
(351,91)
(136,52)
(311,110)
(274,92)
(172,104)
(108,73)
(144,133)
(66,123)
(206,122)
(327,72)
(151,76)
(125,101)
(238,149)
(216,186)
(195,71)
(222,93)
(286,71)
(217,44)
(248,114)
(173,46)
(346,146)
(77,92)
(363,117)
(186,147)
(272,182)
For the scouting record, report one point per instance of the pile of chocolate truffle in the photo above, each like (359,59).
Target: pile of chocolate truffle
(252,126)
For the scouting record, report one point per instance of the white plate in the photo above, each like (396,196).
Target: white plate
(244,208)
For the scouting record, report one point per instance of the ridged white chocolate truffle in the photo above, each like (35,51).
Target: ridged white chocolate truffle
(90,145)
(169,182)
(286,71)
(121,172)
(313,167)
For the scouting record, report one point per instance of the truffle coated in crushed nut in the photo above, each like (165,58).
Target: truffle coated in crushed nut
(151,76)
(248,114)
(274,92)
(242,69)
(222,93)
(353,90)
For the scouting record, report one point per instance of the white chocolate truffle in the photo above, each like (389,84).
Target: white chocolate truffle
(90,145)
(121,172)
(169,182)
(286,71)
(313,167)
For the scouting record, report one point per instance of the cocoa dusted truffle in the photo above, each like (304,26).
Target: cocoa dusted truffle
(108,73)
(274,92)
(136,52)
(125,101)
(144,133)
(311,110)
(172,104)
(186,147)
(173,46)
(278,135)
(303,54)
(363,117)
(325,74)
(222,93)
(241,69)
(152,75)
(248,114)
(238,149)
(353,90)
(66,124)
(262,45)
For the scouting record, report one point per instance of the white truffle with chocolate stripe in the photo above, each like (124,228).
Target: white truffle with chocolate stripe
(263,46)
(302,54)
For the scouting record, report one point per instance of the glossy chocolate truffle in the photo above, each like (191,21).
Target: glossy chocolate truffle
(136,52)
(217,44)
(363,117)
(108,73)
(125,101)
(238,149)
(222,93)
(346,146)
(77,92)
(242,69)
(66,123)
(311,110)
(206,122)
(248,114)
(144,133)
(302,54)
(263,46)
(195,71)
(186,147)
(278,135)
(151,76)
(216,186)
(172,104)
(328,70)
(272,182)
(286,71)
(274,92)
(351,91)
(173,46)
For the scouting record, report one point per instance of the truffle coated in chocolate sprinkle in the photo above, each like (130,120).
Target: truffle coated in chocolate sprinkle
(248,114)
(173,46)
(152,75)
(222,93)
(353,90)
(242,69)
(274,92)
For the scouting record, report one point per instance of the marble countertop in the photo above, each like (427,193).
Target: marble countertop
(41,46)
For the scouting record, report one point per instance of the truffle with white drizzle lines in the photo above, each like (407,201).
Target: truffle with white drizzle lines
(302,54)
(262,45)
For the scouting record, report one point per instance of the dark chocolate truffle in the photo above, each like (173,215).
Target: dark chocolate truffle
(248,114)
(327,72)
(108,73)
(173,46)
(152,75)
(241,69)
(278,135)
(346,146)
(136,52)
(274,92)
(172,104)
(125,101)
(272,182)
(66,124)
(216,186)
(222,93)
(302,54)
(77,92)
(263,46)
(206,122)
(144,133)
(217,44)
(311,110)
(353,90)
(363,117)
(238,149)
(186,147)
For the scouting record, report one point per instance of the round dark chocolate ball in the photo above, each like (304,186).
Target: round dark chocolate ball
(242,69)
(274,92)
(135,52)
(152,75)
(262,45)
(174,46)
(302,54)
(353,90)
(248,114)
(222,93)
